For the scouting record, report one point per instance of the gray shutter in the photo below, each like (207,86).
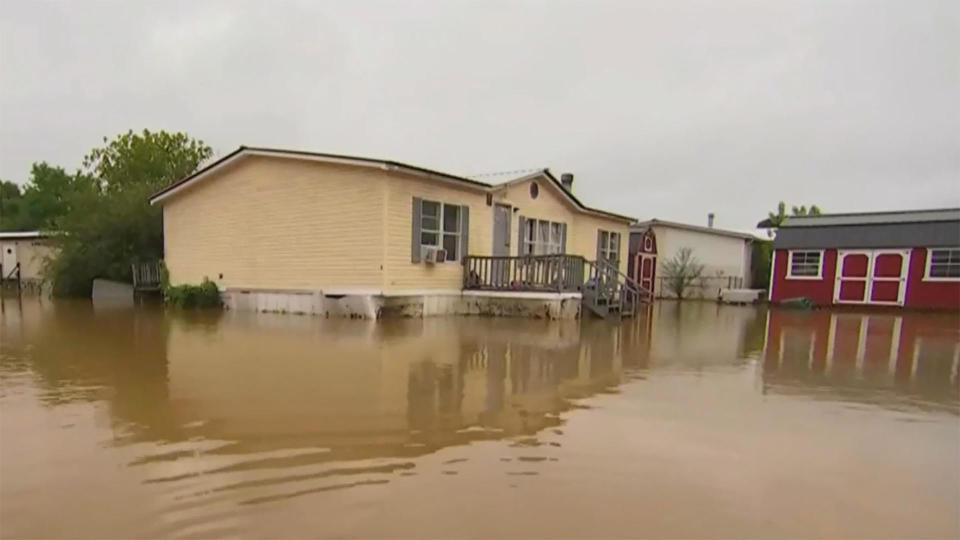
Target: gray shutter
(464,231)
(563,238)
(415,239)
(599,243)
(522,226)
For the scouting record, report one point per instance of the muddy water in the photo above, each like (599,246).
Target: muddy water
(691,421)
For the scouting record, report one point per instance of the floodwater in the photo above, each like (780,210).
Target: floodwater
(692,421)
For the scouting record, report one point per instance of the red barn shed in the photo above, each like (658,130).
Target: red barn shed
(906,259)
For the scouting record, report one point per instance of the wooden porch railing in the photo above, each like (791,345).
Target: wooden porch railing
(555,273)
(147,276)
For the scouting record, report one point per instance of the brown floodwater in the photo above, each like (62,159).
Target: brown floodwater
(691,421)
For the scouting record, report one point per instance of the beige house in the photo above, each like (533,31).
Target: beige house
(23,253)
(281,230)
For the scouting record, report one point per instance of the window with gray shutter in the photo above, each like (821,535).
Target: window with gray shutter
(439,225)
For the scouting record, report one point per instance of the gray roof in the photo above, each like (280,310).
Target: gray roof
(870,218)
(921,228)
(642,226)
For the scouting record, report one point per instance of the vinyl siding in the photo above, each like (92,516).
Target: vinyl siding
(550,204)
(401,273)
(272,223)
(31,254)
(720,255)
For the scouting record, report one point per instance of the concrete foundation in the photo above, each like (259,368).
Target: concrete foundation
(376,306)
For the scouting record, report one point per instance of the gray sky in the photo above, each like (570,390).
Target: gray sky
(662,109)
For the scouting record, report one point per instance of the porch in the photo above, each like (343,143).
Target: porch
(604,290)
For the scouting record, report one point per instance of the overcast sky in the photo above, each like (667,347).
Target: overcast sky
(661,109)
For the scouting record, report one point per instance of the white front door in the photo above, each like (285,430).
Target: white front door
(9,260)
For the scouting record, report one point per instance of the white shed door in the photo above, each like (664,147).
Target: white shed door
(9,258)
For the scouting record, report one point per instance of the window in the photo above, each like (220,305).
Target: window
(943,264)
(440,227)
(805,264)
(609,247)
(541,237)
(647,243)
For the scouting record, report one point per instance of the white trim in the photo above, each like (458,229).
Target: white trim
(773,272)
(638,270)
(790,276)
(929,258)
(22,235)
(838,276)
(870,279)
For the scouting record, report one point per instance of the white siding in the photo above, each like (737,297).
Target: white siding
(722,256)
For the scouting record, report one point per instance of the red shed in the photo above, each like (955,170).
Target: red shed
(642,265)
(905,259)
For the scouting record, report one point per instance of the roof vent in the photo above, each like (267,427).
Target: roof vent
(566,180)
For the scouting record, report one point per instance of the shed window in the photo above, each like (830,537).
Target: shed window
(541,237)
(805,264)
(440,227)
(944,264)
(609,245)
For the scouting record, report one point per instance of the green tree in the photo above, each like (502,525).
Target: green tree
(109,222)
(48,195)
(814,210)
(764,251)
(9,205)
(681,272)
(776,219)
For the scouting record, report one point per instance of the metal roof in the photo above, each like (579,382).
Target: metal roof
(644,225)
(368,162)
(874,218)
(878,235)
(21,235)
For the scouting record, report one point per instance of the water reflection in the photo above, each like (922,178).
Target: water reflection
(182,418)
(885,358)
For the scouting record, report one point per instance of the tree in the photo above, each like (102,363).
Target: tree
(9,205)
(681,271)
(775,219)
(814,210)
(110,223)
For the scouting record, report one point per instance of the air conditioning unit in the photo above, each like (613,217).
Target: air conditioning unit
(432,255)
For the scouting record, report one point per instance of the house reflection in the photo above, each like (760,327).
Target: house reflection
(387,387)
(842,353)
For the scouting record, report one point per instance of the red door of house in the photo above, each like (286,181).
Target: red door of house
(853,275)
(648,267)
(871,277)
(889,279)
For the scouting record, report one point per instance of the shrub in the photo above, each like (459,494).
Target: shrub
(205,295)
(682,272)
